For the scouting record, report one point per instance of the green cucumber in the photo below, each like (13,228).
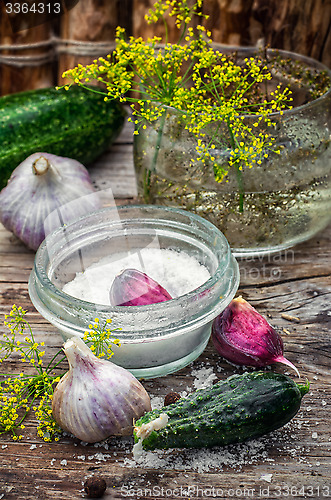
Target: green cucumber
(239,408)
(76,123)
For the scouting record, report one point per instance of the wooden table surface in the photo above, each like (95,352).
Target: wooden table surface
(293,462)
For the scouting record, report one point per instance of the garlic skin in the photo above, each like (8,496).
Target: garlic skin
(44,192)
(97,399)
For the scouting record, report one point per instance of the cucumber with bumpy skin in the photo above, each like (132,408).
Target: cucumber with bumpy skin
(76,123)
(239,408)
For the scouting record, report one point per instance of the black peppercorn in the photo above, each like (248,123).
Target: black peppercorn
(95,487)
(170,398)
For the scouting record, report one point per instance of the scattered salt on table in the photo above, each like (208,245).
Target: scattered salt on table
(204,377)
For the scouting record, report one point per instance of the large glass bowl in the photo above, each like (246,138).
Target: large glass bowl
(273,205)
(156,339)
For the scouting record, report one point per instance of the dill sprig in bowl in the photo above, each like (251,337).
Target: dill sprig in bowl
(235,135)
(192,77)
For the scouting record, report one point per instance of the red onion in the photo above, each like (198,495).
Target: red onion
(241,335)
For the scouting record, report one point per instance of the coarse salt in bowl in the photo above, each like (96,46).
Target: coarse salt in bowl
(188,256)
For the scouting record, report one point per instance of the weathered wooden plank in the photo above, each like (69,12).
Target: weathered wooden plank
(284,451)
(26,53)
(83,27)
(296,282)
(296,26)
(302,27)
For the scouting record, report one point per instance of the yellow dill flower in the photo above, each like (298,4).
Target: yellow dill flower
(210,89)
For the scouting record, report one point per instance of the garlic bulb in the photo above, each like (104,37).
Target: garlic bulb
(44,192)
(96,398)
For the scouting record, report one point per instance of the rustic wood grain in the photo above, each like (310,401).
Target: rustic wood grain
(231,21)
(87,21)
(29,74)
(297,26)
(293,25)
(296,282)
(303,27)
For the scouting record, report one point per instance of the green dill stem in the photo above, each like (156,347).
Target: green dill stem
(239,174)
(50,365)
(165,29)
(147,183)
(92,89)
(182,34)
(147,174)
(241,188)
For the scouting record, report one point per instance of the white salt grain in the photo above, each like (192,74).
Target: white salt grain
(177,272)
(157,402)
(266,477)
(204,378)
(314,435)
(203,460)
(99,456)
(63,462)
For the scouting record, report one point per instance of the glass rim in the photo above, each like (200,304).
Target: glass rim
(286,53)
(42,260)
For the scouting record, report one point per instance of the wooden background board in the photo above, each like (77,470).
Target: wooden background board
(293,462)
(87,30)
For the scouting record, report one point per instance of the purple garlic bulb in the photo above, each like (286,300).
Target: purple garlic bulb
(45,192)
(241,335)
(134,288)
(97,399)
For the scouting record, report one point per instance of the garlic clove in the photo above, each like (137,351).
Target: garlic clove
(243,336)
(135,288)
(45,191)
(96,399)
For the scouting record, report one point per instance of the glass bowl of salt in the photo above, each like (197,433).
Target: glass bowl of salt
(188,256)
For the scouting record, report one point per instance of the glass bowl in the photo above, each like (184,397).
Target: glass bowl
(156,339)
(270,207)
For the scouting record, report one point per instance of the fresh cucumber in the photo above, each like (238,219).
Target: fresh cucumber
(239,408)
(76,123)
